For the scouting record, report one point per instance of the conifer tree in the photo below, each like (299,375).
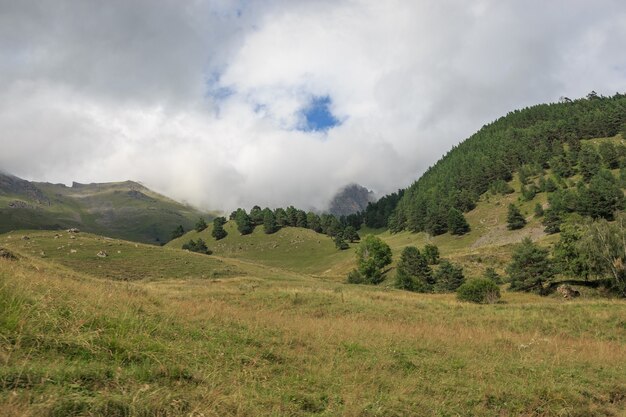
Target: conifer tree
(530,267)
(201,225)
(218,231)
(244,225)
(514,219)
(448,276)
(413,272)
(269,222)
(457,225)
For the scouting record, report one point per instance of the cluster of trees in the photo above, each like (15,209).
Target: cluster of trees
(415,271)
(419,271)
(342,230)
(590,252)
(197,246)
(545,136)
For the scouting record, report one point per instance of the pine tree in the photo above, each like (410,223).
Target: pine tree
(457,225)
(413,272)
(218,231)
(530,267)
(448,277)
(431,252)
(602,198)
(538,210)
(201,225)
(269,222)
(178,232)
(514,219)
(244,225)
(552,221)
(589,162)
(313,222)
(609,155)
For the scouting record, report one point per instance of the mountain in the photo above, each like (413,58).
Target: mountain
(126,210)
(545,139)
(351,199)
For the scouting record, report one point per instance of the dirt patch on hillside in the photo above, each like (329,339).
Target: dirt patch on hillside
(500,235)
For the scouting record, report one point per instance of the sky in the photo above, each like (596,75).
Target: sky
(226,104)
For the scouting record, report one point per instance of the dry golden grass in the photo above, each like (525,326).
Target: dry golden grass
(267,341)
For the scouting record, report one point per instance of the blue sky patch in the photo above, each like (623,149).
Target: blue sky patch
(317,115)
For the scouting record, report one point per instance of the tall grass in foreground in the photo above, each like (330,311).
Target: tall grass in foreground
(269,342)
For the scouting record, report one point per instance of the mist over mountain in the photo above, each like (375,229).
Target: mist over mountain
(351,199)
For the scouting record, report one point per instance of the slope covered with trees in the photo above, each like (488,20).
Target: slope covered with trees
(528,141)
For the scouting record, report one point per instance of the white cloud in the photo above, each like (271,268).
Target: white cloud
(201,100)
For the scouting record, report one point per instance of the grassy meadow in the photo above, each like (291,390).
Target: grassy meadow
(151,331)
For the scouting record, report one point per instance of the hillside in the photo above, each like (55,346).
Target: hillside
(126,209)
(536,138)
(193,334)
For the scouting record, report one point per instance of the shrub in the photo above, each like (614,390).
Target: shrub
(479,290)
(199,246)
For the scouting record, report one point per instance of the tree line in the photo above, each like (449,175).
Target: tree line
(342,229)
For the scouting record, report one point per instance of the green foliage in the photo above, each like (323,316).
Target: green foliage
(350,234)
(569,260)
(218,231)
(500,187)
(200,225)
(413,272)
(550,186)
(178,232)
(340,242)
(197,246)
(552,221)
(588,162)
(539,210)
(530,267)
(448,276)
(431,252)
(377,214)
(256,216)
(493,276)
(479,290)
(514,218)
(244,223)
(603,250)
(313,220)
(602,198)
(372,256)
(528,193)
(269,222)
(609,155)
(457,225)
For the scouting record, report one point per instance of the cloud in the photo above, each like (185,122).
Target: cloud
(205,100)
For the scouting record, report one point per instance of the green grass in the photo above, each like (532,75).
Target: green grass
(268,341)
(291,248)
(125,261)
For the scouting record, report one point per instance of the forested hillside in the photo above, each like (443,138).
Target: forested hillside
(545,140)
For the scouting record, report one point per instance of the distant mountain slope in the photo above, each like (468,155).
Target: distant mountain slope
(126,209)
(529,138)
(351,199)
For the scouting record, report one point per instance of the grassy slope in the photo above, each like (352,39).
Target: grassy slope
(126,210)
(291,248)
(266,341)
